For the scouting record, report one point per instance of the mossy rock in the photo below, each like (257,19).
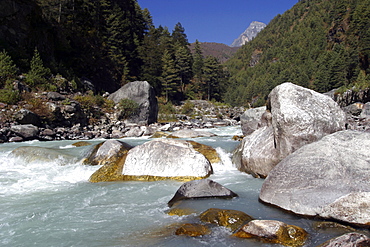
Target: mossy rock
(210,153)
(193,230)
(180,211)
(274,232)
(110,172)
(159,134)
(81,144)
(329,225)
(232,219)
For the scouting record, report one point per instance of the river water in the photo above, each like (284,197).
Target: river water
(46,200)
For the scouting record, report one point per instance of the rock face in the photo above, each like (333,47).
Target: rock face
(204,188)
(295,116)
(328,178)
(352,239)
(273,231)
(166,158)
(142,93)
(254,28)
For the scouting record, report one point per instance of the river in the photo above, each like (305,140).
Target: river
(48,201)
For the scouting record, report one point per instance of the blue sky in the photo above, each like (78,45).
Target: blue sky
(219,21)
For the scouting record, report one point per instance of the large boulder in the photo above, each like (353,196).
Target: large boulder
(160,159)
(26,131)
(352,239)
(154,160)
(328,178)
(24,116)
(273,231)
(295,117)
(250,119)
(204,188)
(143,94)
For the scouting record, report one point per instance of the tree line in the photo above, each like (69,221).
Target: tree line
(319,44)
(110,42)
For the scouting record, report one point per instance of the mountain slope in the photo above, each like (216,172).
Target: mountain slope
(319,44)
(250,33)
(220,51)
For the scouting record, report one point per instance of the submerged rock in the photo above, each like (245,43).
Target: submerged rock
(193,230)
(189,133)
(204,188)
(232,219)
(273,231)
(352,239)
(328,178)
(41,154)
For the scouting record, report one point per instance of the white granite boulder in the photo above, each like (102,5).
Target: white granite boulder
(328,178)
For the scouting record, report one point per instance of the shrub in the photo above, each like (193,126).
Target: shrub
(9,96)
(187,108)
(128,108)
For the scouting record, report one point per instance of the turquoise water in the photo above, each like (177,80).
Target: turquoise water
(49,202)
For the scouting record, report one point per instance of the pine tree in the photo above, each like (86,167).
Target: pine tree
(198,62)
(212,77)
(8,69)
(38,75)
(179,36)
(183,61)
(169,76)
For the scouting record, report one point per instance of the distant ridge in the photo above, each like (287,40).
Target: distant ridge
(254,28)
(218,50)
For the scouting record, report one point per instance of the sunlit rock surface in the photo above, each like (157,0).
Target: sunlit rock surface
(296,116)
(166,158)
(328,178)
(353,239)
(273,231)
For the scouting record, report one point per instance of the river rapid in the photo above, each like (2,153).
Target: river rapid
(48,201)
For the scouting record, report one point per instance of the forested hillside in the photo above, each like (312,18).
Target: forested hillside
(57,45)
(320,44)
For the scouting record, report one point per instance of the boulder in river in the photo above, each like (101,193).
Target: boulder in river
(327,178)
(232,219)
(166,159)
(273,231)
(158,159)
(193,230)
(204,188)
(111,154)
(352,239)
(297,116)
